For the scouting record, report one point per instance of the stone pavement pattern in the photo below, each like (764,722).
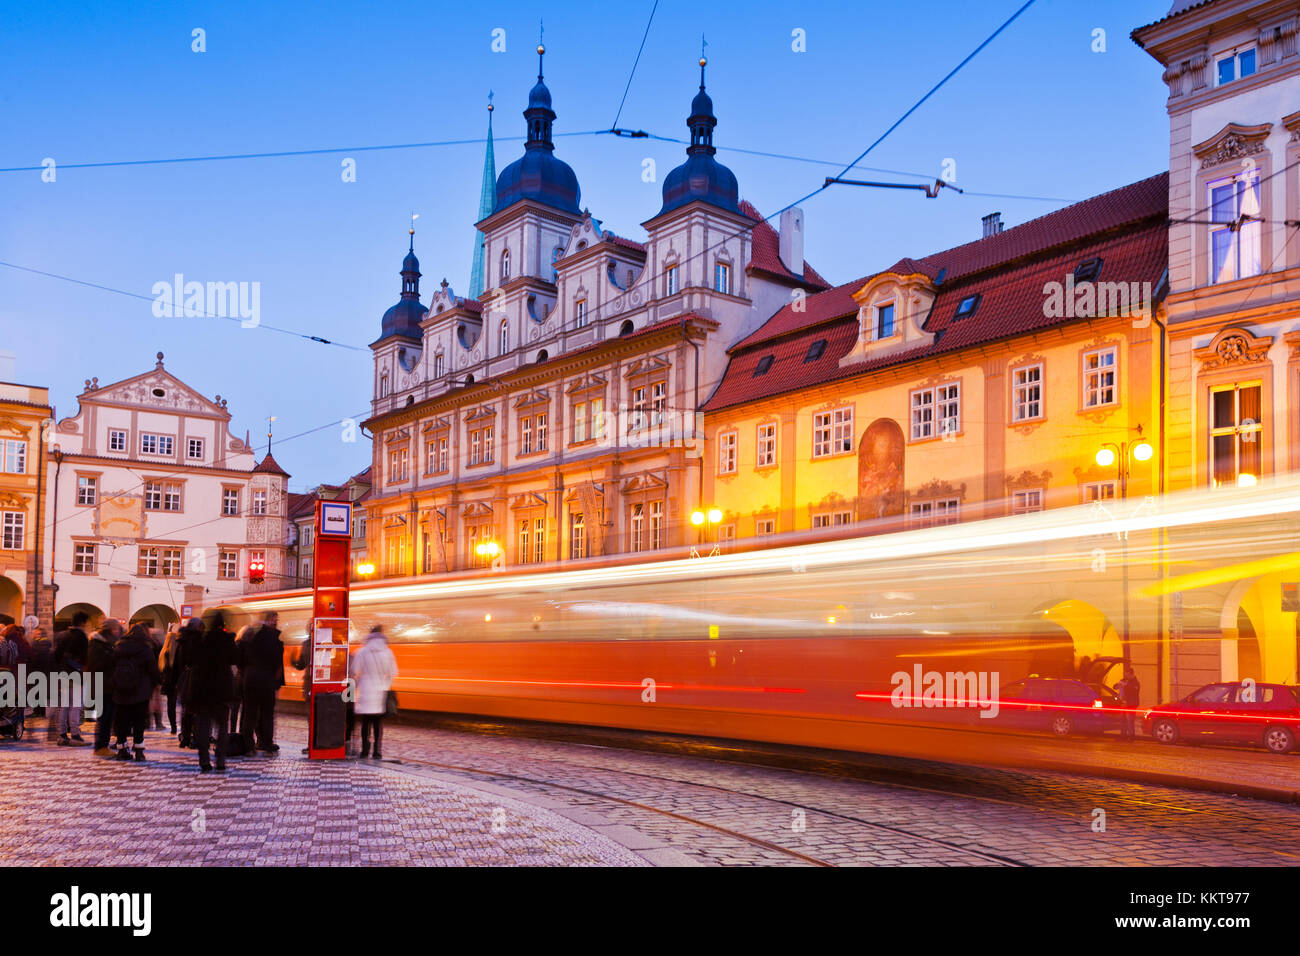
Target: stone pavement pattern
(448,796)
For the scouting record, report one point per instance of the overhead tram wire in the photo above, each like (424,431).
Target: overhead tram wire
(204,315)
(613,127)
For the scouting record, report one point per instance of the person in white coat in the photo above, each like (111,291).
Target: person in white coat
(374,668)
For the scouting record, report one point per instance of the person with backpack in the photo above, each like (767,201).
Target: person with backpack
(212,689)
(70,650)
(99,662)
(133,676)
(374,668)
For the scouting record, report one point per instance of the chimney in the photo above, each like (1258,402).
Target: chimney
(792,240)
(992,224)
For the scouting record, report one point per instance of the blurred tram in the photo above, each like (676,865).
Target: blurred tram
(806,643)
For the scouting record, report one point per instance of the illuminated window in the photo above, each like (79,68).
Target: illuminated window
(577,535)
(1099,378)
(656,525)
(539,540)
(579,422)
(833,432)
(727,442)
(598,418)
(766,446)
(87,489)
(1027,393)
(638,527)
(1235,429)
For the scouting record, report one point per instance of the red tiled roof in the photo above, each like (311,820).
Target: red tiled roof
(765,253)
(268,465)
(1070,225)
(625,243)
(1011,301)
(301,504)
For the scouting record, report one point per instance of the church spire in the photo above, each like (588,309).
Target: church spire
(487,200)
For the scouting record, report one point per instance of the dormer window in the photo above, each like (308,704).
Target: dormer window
(967,306)
(505,266)
(1087,271)
(1235,66)
(815,351)
(670,281)
(722,278)
(884,324)
(580,314)
(763,365)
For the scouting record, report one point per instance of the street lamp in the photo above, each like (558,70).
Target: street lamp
(365,569)
(1118,454)
(490,552)
(700,518)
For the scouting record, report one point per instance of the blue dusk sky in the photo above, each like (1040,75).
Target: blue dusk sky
(1037,114)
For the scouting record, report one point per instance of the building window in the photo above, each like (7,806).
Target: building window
(1099,491)
(83,559)
(439,365)
(443,460)
(936,511)
(524,546)
(722,278)
(1099,378)
(195,449)
(832,519)
(580,313)
(1027,502)
(159,562)
(396,555)
(1235,429)
(230,502)
(503,338)
(116,440)
(304,569)
(259,502)
(505,266)
(670,281)
(968,305)
(727,442)
(162,496)
(764,526)
(480,445)
(579,421)
(383,385)
(147,564)
(577,535)
(539,540)
(171,562)
(766,446)
(637,527)
(1235,228)
(939,406)
(15,460)
(11,532)
(659,403)
(814,351)
(305,536)
(656,525)
(638,409)
(525,435)
(726,536)
(589,420)
(1235,66)
(155,444)
(431,456)
(884,327)
(539,421)
(833,432)
(87,489)
(1027,393)
(763,365)
(398,465)
(228,565)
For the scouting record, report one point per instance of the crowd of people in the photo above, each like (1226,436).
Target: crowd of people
(223,685)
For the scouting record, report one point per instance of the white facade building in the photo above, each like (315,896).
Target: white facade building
(155,506)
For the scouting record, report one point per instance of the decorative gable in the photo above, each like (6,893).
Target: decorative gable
(1232,144)
(533,398)
(910,295)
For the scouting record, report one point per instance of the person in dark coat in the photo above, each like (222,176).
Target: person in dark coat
(70,651)
(241,647)
(263,677)
(186,645)
(99,661)
(1130,691)
(132,678)
(42,659)
(167,665)
(212,688)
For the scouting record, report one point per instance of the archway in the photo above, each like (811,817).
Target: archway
(11,601)
(1091,633)
(880,470)
(1258,639)
(63,618)
(155,615)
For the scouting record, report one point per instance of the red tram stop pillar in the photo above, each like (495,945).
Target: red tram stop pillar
(327,708)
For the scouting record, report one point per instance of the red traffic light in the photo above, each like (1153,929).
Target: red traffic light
(256,571)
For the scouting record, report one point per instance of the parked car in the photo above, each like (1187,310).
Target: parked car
(1245,712)
(1059,705)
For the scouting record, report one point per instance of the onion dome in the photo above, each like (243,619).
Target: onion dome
(538,175)
(404,318)
(701,178)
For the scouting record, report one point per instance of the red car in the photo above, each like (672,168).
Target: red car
(1245,712)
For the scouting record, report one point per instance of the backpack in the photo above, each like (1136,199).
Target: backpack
(127,675)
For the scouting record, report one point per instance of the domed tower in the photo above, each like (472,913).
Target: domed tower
(397,350)
(701,178)
(538,175)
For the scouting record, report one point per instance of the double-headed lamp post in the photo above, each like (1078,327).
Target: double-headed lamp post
(1110,453)
(490,552)
(712,517)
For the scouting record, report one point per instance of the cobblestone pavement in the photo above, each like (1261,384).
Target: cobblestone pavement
(455,796)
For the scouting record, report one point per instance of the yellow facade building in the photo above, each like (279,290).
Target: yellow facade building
(25,413)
